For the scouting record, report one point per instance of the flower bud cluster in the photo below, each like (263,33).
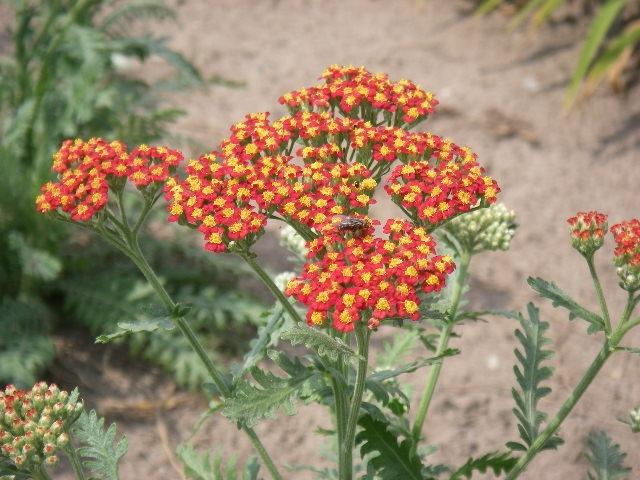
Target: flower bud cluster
(587,231)
(634,420)
(350,274)
(490,228)
(627,253)
(293,241)
(88,169)
(34,424)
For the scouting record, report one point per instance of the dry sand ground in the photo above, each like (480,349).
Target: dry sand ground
(501,94)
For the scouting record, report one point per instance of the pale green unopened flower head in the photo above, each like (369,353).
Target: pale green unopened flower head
(490,228)
(292,241)
(634,420)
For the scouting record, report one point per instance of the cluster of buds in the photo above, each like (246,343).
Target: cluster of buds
(627,253)
(587,231)
(34,424)
(352,275)
(87,170)
(293,241)
(634,420)
(486,229)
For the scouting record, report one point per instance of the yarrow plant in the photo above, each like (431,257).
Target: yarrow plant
(318,170)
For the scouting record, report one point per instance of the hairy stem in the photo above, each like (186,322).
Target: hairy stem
(443,343)
(139,259)
(565,409)
(74,459)
(346,448)
(600,294)
(595,367)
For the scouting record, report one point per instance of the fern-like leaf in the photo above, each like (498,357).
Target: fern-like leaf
(606,457)
(530,373)
(319,341)
(262,398)
(98,448)
(559,298)
(498,462)
(200,466)
(25,346)
(394,461)
(127,328)
(401,346)
(267,336)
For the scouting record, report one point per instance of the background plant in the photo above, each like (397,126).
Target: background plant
(81,69)
(610,45)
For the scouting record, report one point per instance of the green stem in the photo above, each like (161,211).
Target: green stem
(443,343)
(600,294)
(565,409)
(606,351)
(75,462)
(139,259)
(273,288)
(346,448)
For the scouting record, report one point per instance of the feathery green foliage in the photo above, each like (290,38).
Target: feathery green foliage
(498,462)
(25,346)
(262,398)
(99,448)
(530,373)
(319,341)
(200,466)
(561,299)
(606,458)
(394,461)
(400,347)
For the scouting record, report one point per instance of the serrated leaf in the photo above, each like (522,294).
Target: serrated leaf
(267,337)
(128,328)
(498,462)
(561,299)
(395,461)
(199,466)
(319,341)
(386,374)
(253,401)
(99,449)
(530,373)
(605,457)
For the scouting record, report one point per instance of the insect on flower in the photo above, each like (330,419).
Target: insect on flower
(352,224)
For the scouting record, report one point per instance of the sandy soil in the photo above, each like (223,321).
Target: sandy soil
(501,94)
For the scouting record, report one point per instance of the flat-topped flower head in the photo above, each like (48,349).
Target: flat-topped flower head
(356,91)
(587,231)
(89,170)
(34,422)
(446,182)
(627,253)
(351,275)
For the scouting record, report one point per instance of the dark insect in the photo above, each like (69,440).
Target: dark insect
(351,224)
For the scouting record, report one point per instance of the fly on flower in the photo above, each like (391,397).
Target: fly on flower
(352,224)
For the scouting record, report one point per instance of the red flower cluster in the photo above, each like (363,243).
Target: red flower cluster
(229,195)
(87,169)
(627,252)
(435,192)
(355,90)
(587,231)
(33,423)
(350,272)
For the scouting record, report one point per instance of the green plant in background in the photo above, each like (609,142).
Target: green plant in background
(79,68)
(609,45)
